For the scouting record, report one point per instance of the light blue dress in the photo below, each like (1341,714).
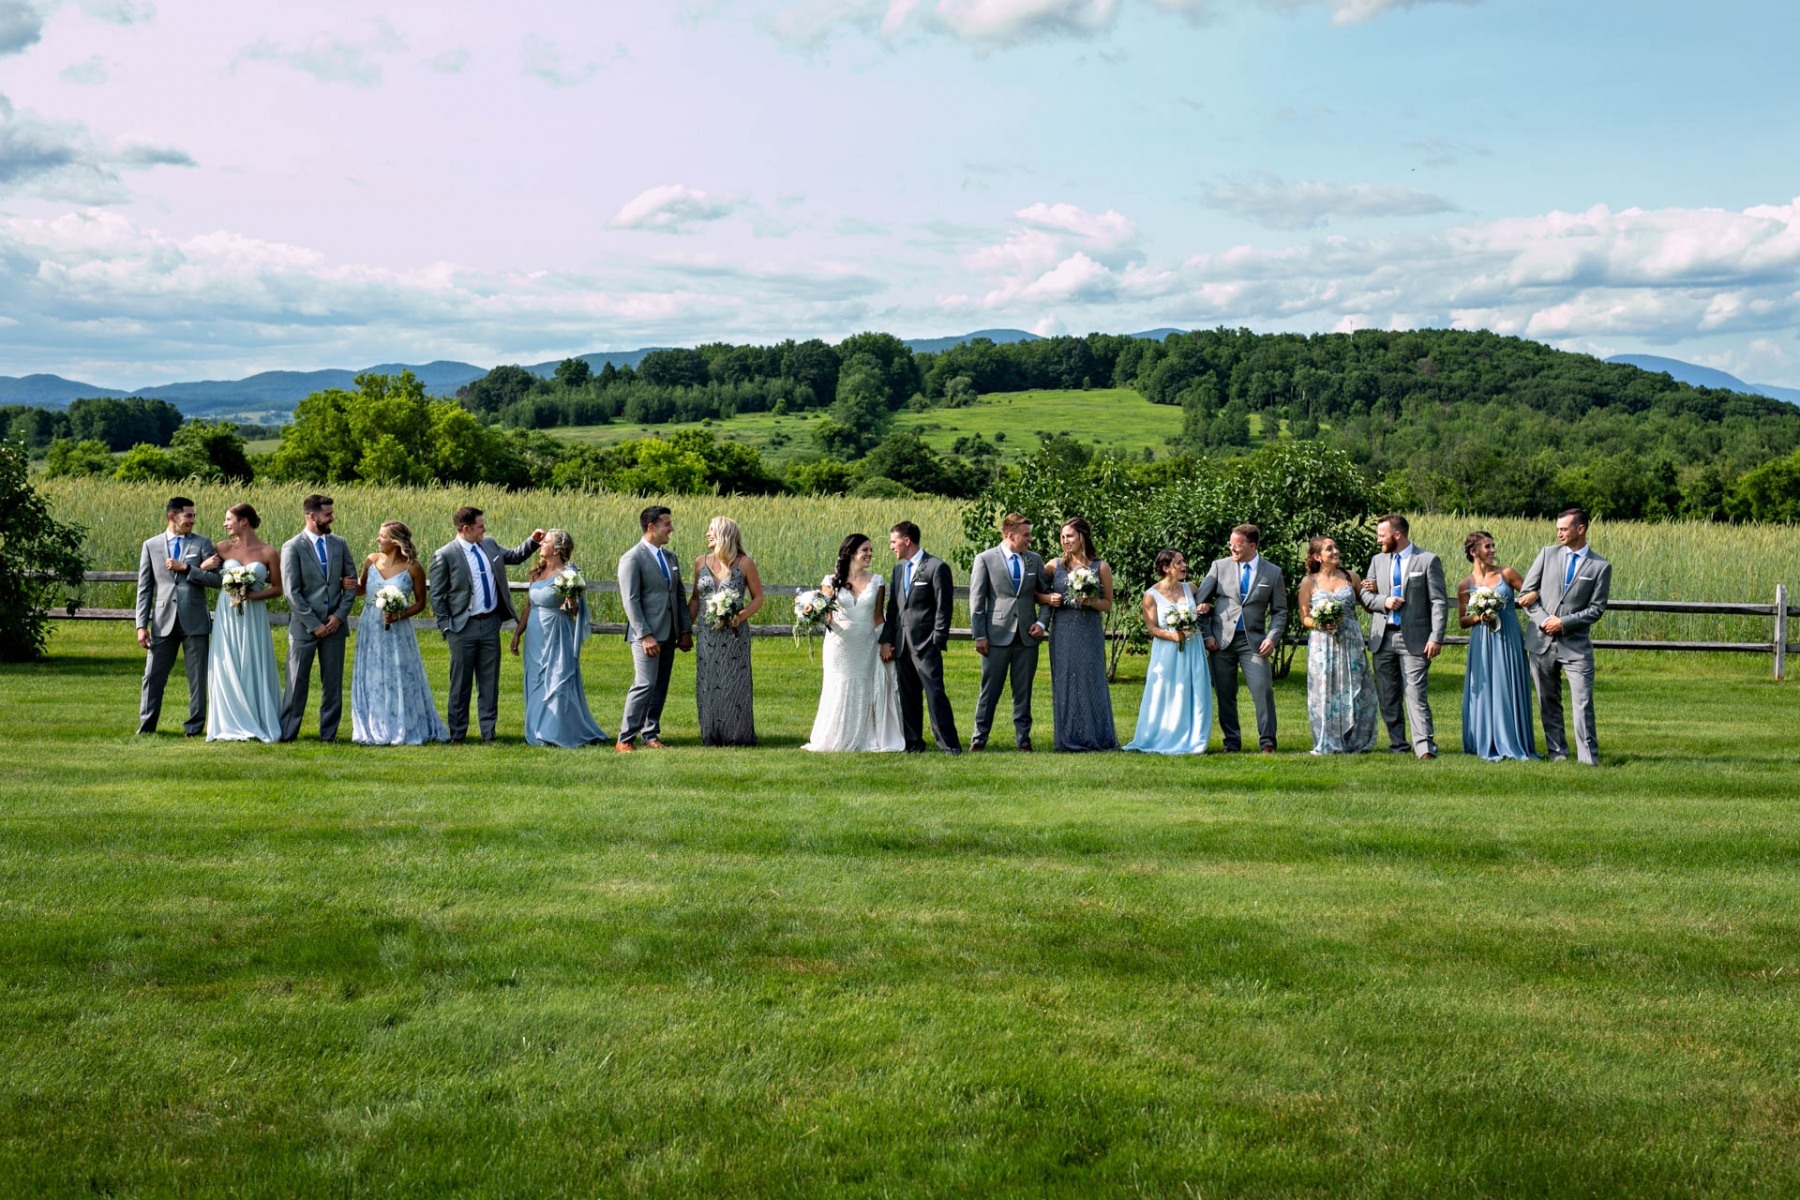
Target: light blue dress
(1496,707)
(390,699)
(1175,714)
(245,680)
(1340,686)
(556,707)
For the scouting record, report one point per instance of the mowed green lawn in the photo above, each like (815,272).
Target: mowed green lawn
(500,971)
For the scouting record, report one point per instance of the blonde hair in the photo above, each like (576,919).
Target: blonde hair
(560,541)
(402,540)
(728,539)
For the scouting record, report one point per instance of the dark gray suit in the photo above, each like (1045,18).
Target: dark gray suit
(1240,620)
(1397,652)
(315,593)
(1004,614)
(474,642)
(172,607)
(655,607)
(917,626)
(1570,652)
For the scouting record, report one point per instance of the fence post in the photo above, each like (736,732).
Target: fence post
(1781,634)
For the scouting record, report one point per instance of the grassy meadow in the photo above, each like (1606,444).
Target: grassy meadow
(319,970)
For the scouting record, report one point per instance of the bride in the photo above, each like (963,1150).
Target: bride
(859,701)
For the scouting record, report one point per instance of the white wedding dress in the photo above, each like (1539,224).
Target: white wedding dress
(859,700)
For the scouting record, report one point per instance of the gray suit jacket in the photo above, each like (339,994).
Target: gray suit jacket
(1583,603)
(997,612)
(315,594)
(161,593)
(452,585)
(654,607)
(1263,609)
(1426,612)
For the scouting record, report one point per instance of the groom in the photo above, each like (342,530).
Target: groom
(1008,625)
(914,636)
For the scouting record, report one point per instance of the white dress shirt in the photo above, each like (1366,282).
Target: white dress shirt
(479,566)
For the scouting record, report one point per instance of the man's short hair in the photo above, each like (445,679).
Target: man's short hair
(1012,521)
(1396,522)
(907,530)
(1577,512)
(1249,533)
(465,516)
(314,503)
(652,515)
(178,504)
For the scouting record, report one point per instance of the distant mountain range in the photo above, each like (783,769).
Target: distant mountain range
(273,394)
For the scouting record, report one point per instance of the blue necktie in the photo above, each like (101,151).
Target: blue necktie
(1394,617)
(1015,572)
(1243,593)
(1569,575)
(668,580)
(481,570)
(906,584)
(324,567)
(175,547)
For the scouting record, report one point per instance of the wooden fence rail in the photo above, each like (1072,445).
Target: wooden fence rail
(1777,646)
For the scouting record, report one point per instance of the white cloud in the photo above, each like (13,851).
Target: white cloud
(89,72)
(21,26)
(62,160)
(1277,204)
(673,208)
(120,12)
(540,57)
(331,59)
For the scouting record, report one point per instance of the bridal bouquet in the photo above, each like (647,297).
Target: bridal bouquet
(812,609)
(1327,613)
(390,601)
(723,607)
(1084,584)
(238,582)
(1183,619)
(570,586)
(1485,604)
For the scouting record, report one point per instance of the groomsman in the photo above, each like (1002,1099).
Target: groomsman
(320,582)
(1008,626)
(657,622)
(1567,589)
(1405,590)
(468,590)
(914,636)
(1249,600)
(172,614)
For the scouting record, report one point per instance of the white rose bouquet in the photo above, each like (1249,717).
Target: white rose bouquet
(390,601)
(1485,605)
(238,582)
(812,610)
(571,587)
(722,608)
(1182,620)
(1084,584)
(1327,613)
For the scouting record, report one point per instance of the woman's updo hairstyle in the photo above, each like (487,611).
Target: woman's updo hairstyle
(1473,540)
(1163,560)
(245,512)
(560,541)
(403,542)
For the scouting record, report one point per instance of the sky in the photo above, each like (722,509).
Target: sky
(209,189)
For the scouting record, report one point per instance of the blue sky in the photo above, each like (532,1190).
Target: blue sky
(210,189)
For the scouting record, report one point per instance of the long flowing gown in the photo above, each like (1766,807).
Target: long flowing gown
(390,699)
(243,677)
(859,695)
(1175,713)
(1340,686)
(556,707)
(722,691)
(1496,706)
(1079,695)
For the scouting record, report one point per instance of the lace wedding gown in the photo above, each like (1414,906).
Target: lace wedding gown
(859,699)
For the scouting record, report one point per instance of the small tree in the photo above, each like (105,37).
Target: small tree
(39,558)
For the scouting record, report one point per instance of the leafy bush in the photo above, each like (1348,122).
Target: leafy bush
(40,557)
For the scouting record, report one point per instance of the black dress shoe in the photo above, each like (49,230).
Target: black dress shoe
(1025,745)
(950,749)
(977,747)
(455,741)
(915,749)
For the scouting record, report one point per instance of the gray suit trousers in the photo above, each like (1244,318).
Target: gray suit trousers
(1016,663)
(649,691)
(474,658)
(157,663)
(1226,662)
(302,647)
(1400,680)
(1547,671)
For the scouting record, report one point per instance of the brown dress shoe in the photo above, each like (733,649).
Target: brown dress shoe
(652,744)
(623,747)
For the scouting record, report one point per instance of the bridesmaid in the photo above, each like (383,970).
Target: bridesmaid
(722,690)
(556,707)
(1340,686)
(1175,714)
(391,703)
(1079,696)
(245,678)
(1496,707)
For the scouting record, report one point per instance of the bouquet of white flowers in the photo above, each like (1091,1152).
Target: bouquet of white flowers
(812,609)
(569,583)
(390,601)
(1183,619)
(1084,584)
(722,608)
(1485,604)
(1327,613)
(238,582)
